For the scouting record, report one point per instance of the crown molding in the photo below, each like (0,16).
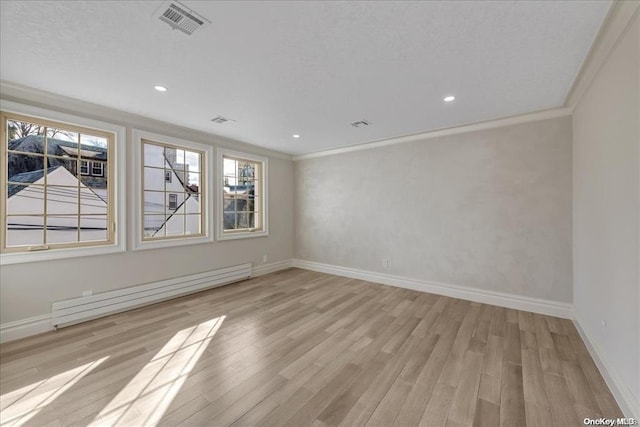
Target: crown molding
(10,91)
(472,127)
(618,19)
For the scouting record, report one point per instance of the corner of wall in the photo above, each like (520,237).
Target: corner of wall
(629,403)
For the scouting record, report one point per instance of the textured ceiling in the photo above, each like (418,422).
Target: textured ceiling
(311,68)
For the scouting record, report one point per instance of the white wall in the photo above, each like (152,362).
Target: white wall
(606,214)
(488,209)
(27,290)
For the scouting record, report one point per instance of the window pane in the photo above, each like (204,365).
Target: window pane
(23,135)
(62,229)
(230,172)
(61,134)
(229,203)
(94,141)
(66,176)
(25,199)
(154,179)
(25,168)
(153,225)
(175,158)
(193,224)
(193,204)
(193,181)
(153,155)
(175,225)
(246,172)
(93,228)
(62,143)
(192,161)
(229,220)
(154,202)
(25,230)
(245,220)
(174,202)
(61,200)
(93,201)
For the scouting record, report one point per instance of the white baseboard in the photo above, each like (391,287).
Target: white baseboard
(36,325)
(260,270)
(629,403)
(25,327)
(518,302)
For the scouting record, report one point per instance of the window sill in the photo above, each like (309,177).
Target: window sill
(169,243)
(53,254)
(242,235)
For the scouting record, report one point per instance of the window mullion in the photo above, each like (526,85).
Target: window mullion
(45,192)
(78,220)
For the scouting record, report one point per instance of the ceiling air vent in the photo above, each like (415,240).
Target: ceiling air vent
(180,17)
(220,120)
(360,123)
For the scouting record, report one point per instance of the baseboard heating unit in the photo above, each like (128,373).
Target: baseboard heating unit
(76,310)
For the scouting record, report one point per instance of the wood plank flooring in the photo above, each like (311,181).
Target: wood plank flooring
(300,348)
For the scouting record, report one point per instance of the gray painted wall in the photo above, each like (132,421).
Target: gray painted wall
(27,290)
(606,217)
(488,209)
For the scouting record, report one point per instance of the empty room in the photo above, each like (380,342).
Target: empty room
(319,213)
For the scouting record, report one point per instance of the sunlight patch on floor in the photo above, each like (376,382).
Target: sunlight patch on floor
(145,399)
(19,406)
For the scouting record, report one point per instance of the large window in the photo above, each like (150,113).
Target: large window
(173,180)
(51,198)
(243,207)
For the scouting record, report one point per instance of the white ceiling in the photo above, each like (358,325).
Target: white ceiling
(311,68)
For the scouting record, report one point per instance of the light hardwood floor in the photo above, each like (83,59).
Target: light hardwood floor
(299,348)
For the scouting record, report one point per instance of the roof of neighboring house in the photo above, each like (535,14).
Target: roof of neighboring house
(35,144)
(238,188)
(26,178)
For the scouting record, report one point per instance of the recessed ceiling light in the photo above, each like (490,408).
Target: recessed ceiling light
(295,135)
(221,120)
(360,123)
(160,88)
(449,98)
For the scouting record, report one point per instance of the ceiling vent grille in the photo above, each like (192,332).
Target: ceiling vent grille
(221,120)
(180,17)
(360,123)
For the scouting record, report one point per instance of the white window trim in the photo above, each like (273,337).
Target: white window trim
(88,169)
(174,196)
(220,235)
(118,181)
(207,162)
(93,170)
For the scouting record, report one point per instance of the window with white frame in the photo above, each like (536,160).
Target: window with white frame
(173,201)
(243,196)
(97,168)
(84,167)
(50,201)
(173,181)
